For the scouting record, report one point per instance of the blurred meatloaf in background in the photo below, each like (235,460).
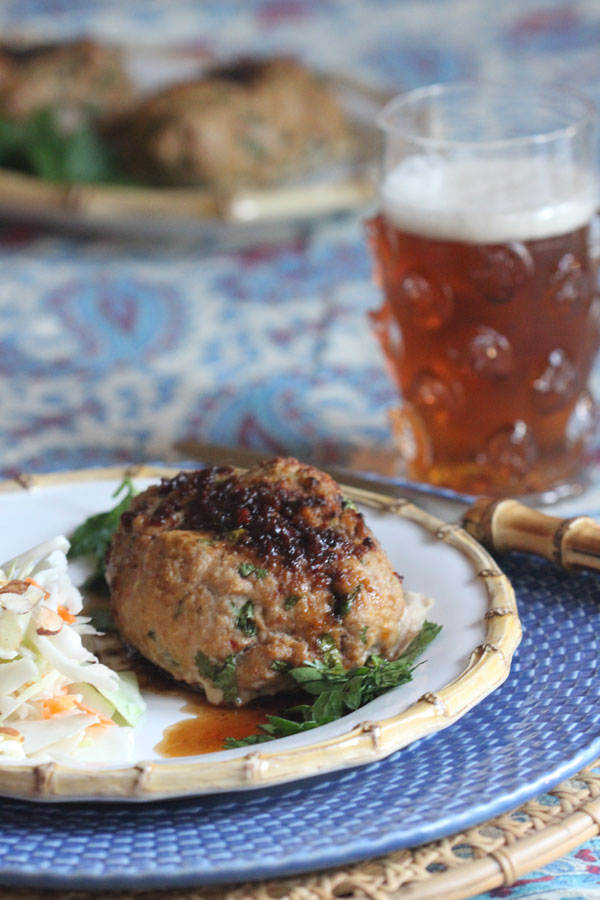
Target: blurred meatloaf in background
(81,75)
(226,579)
(252,122)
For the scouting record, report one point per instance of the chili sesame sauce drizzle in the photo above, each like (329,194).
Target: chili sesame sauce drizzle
(280,525)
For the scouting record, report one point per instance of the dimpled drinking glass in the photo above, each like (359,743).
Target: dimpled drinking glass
(485,253)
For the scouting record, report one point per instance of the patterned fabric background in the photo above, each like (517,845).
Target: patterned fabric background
(112,350)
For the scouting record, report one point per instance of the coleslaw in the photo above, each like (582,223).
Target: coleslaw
(56,699)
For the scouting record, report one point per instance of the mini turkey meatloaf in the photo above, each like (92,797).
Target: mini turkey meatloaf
(78,75)
(252,122)
(225,579)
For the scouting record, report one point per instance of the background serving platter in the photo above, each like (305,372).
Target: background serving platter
(207,215)
(473,602)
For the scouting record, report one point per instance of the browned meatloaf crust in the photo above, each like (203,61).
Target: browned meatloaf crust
(225,579)
(253,122)
(79,75)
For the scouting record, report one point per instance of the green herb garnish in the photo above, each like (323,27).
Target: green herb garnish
(222,676)
(280,665)
(245,619)
(290,601)
(331,655)
(44,146)
(247,569)
(343,602)
(347,503)
(337,691)
(93,536)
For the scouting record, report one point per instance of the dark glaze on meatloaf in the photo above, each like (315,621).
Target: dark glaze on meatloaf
(226,578)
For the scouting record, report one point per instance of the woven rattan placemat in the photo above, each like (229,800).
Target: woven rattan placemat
(479,859)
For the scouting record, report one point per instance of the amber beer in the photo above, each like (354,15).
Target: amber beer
(490,325)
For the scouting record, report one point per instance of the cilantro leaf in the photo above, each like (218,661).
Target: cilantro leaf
(221,676)
(280,665)
(93,536)
(331,655)
(248,569)
(245,619)
(42,145)
(344,602)
(337,691)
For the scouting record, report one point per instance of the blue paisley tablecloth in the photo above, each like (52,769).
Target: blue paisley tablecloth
(112,350)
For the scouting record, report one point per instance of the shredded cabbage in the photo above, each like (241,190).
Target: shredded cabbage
(56,699)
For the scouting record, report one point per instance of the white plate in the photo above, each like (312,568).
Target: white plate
(473,602)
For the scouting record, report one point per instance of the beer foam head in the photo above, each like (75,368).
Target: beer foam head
(487,200)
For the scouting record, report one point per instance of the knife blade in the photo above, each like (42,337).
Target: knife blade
(500,525)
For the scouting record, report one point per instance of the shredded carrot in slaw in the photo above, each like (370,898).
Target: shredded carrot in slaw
(58,706)
(34,583)
(104,720)
(65,615)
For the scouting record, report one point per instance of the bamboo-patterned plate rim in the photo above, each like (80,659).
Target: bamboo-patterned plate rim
(369,741)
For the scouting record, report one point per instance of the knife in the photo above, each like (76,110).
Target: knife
(500,525)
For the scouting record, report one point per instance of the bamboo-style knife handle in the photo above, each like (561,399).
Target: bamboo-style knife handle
(508,525)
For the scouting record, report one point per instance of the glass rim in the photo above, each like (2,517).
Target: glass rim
(589,113)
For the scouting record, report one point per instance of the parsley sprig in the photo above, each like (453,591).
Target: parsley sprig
(247,569)
(245,619)
(93,536)
(221,676)
(41,145)
(338,691)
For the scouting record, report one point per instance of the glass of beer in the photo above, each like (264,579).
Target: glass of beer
(485,250)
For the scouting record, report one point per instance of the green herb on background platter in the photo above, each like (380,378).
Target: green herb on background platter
(93,536)
(337,691)
(43,146)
